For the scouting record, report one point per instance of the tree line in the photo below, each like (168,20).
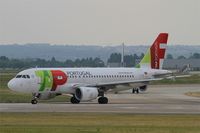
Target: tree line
(129,61)
(5,62)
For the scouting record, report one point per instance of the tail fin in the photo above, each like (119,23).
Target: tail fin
(155,55)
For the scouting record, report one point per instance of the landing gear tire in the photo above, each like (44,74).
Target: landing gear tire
(135,90)
(74,100)
(34,101)
(35,97)
(103,100)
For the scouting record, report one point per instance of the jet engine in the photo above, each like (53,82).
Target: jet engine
(143,88)
(86,93)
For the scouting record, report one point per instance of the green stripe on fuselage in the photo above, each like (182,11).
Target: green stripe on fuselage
(46,79)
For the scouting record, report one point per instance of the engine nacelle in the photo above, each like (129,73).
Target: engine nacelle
(143,88)
(86,93)
(46,96)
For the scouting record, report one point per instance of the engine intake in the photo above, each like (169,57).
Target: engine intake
(86,93)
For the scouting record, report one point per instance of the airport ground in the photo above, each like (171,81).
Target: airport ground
(158,99)
(164,108)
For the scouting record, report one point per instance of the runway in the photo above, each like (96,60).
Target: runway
(158,99)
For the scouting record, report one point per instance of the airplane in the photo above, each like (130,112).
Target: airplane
(87,84)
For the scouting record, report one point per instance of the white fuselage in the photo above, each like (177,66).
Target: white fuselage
(30,82)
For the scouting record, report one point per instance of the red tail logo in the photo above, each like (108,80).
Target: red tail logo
(157,52)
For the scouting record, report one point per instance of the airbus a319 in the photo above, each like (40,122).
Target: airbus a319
(86,84)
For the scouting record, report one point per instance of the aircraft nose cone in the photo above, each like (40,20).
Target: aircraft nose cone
(11,85)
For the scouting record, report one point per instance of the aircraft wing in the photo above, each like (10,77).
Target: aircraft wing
(124,82)
(144,81)
(178,76)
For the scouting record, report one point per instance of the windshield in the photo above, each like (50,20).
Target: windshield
(23,76)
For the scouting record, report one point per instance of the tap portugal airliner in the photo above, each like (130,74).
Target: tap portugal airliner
(86,84)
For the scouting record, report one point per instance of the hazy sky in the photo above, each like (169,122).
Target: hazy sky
(99,21)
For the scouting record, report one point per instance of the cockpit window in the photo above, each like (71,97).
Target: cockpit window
(18,76)
(23,76)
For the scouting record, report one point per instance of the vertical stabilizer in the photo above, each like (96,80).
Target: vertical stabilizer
(156,53)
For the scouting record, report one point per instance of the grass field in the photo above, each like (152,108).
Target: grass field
(193,94)
(97,123)
(8,96)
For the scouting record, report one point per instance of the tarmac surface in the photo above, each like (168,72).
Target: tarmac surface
(158,99)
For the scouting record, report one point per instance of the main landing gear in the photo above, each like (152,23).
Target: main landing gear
(102,99)
(135,90)
(74,100)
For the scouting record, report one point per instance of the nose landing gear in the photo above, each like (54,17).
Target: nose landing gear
(35,97)
(34,101)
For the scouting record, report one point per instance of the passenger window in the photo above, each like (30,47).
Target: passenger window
(28,76)
(23,76)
